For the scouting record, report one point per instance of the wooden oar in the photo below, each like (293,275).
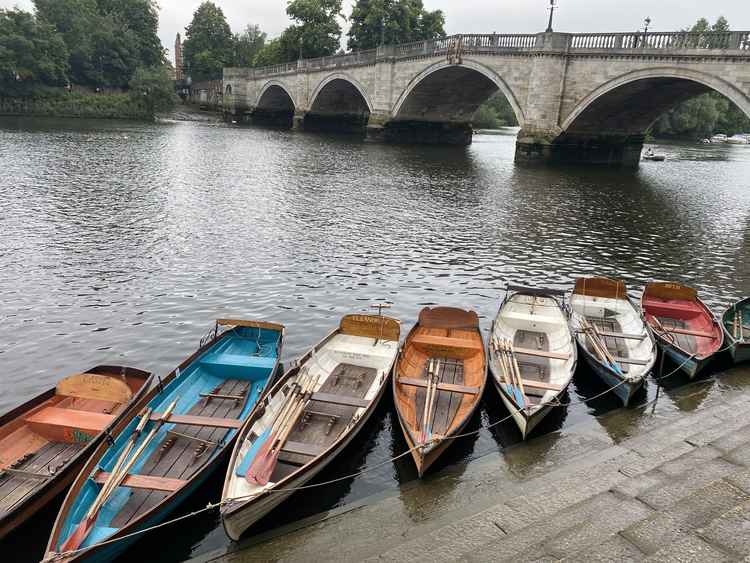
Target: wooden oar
(610,358)
(266,465)
(427,394)
(86,525)
(517,369)
(105,490)
(662,330)
(427,430)
(735,325)
(501,350)
(264,442)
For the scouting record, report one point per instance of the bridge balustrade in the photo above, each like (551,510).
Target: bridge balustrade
(478,44)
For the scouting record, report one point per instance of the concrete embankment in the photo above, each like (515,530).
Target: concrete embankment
(637,484)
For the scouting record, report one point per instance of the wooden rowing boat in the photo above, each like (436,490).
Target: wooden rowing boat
(440,378)
(736,323)
(683,325)
(308,418)
(532,354)
(162,454)
(45,442)
(612,335)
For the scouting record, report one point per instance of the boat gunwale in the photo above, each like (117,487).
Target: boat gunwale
(744,304)
(93,461)
(63,479)
(323,457)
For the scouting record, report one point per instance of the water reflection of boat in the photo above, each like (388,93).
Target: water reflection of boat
(736,323)
(684,326)
(612,335)
(532,354)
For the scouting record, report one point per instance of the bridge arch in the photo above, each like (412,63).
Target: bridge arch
(275,105)
(446,91)
(631,102)
(339,104)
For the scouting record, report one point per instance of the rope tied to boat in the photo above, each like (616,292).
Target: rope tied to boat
(53,557)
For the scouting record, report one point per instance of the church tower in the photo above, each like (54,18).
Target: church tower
(178,64)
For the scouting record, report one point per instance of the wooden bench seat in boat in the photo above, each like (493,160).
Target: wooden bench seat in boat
(449,387)
(68,425)
(542,354)
(541,385)
(206,421)
(340,400)
(630,361)
(238,360)
(147,482)
(470,344)
(686,332)
(621,335)
(298,448)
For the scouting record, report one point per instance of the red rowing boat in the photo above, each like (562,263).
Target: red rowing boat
(684,326)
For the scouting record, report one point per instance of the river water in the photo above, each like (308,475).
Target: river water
(120,243)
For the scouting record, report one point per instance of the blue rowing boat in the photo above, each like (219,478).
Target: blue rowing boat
(160,455)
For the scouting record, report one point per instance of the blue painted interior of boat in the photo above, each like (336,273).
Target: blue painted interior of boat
(245,353)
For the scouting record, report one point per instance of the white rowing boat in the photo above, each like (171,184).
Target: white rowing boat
(612,335)
(532,354)
(308,418)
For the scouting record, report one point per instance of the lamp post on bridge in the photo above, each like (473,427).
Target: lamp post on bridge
(552,6)
(646,23)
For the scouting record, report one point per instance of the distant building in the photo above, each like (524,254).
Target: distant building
(179,65)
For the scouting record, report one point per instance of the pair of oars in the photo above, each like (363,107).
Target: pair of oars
(511,371)
(599,347)
(117,475)
(739,327)
(433,378)
(261,469)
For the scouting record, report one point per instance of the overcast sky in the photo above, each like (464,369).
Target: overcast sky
(480,16)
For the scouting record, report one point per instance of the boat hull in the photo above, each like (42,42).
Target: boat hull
(623,389)
(526,424)
(740,352)
(690,366)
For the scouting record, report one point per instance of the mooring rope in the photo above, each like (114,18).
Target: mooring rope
(214,505)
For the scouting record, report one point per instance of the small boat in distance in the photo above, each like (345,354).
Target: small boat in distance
(165,452)
(651,155)
(309,417)
(612,335)
(684,326)
(736,323)
(439,381)
(533,353)
(45,442)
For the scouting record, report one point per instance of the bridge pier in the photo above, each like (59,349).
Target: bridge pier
(344,123)
(615,150)
(427,133)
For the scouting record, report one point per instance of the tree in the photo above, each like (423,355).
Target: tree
(153,88)
(247,45)
(209,43)
(30,53)
(495,112)
(316,33)
(271,54)
(392,22)
(709,113)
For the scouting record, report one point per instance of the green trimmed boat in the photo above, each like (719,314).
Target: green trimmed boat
(736,323)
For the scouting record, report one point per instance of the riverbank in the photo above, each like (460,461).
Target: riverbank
(77,105)
(665,487)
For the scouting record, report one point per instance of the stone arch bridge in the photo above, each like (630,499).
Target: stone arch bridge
(587,98)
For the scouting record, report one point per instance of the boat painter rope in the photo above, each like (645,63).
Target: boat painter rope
(212,506)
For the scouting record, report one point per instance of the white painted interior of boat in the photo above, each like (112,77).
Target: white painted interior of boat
(341,349)
(630,321)
(539,314)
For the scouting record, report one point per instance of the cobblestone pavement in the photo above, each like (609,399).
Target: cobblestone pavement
(636,487)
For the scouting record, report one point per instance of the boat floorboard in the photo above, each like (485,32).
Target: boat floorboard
(446,404)
(616,346)
(683,341)
(533,368)
(48,459)
(324,422)
(181,457)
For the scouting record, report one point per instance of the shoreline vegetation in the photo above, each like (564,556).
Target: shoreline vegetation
(76,105)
